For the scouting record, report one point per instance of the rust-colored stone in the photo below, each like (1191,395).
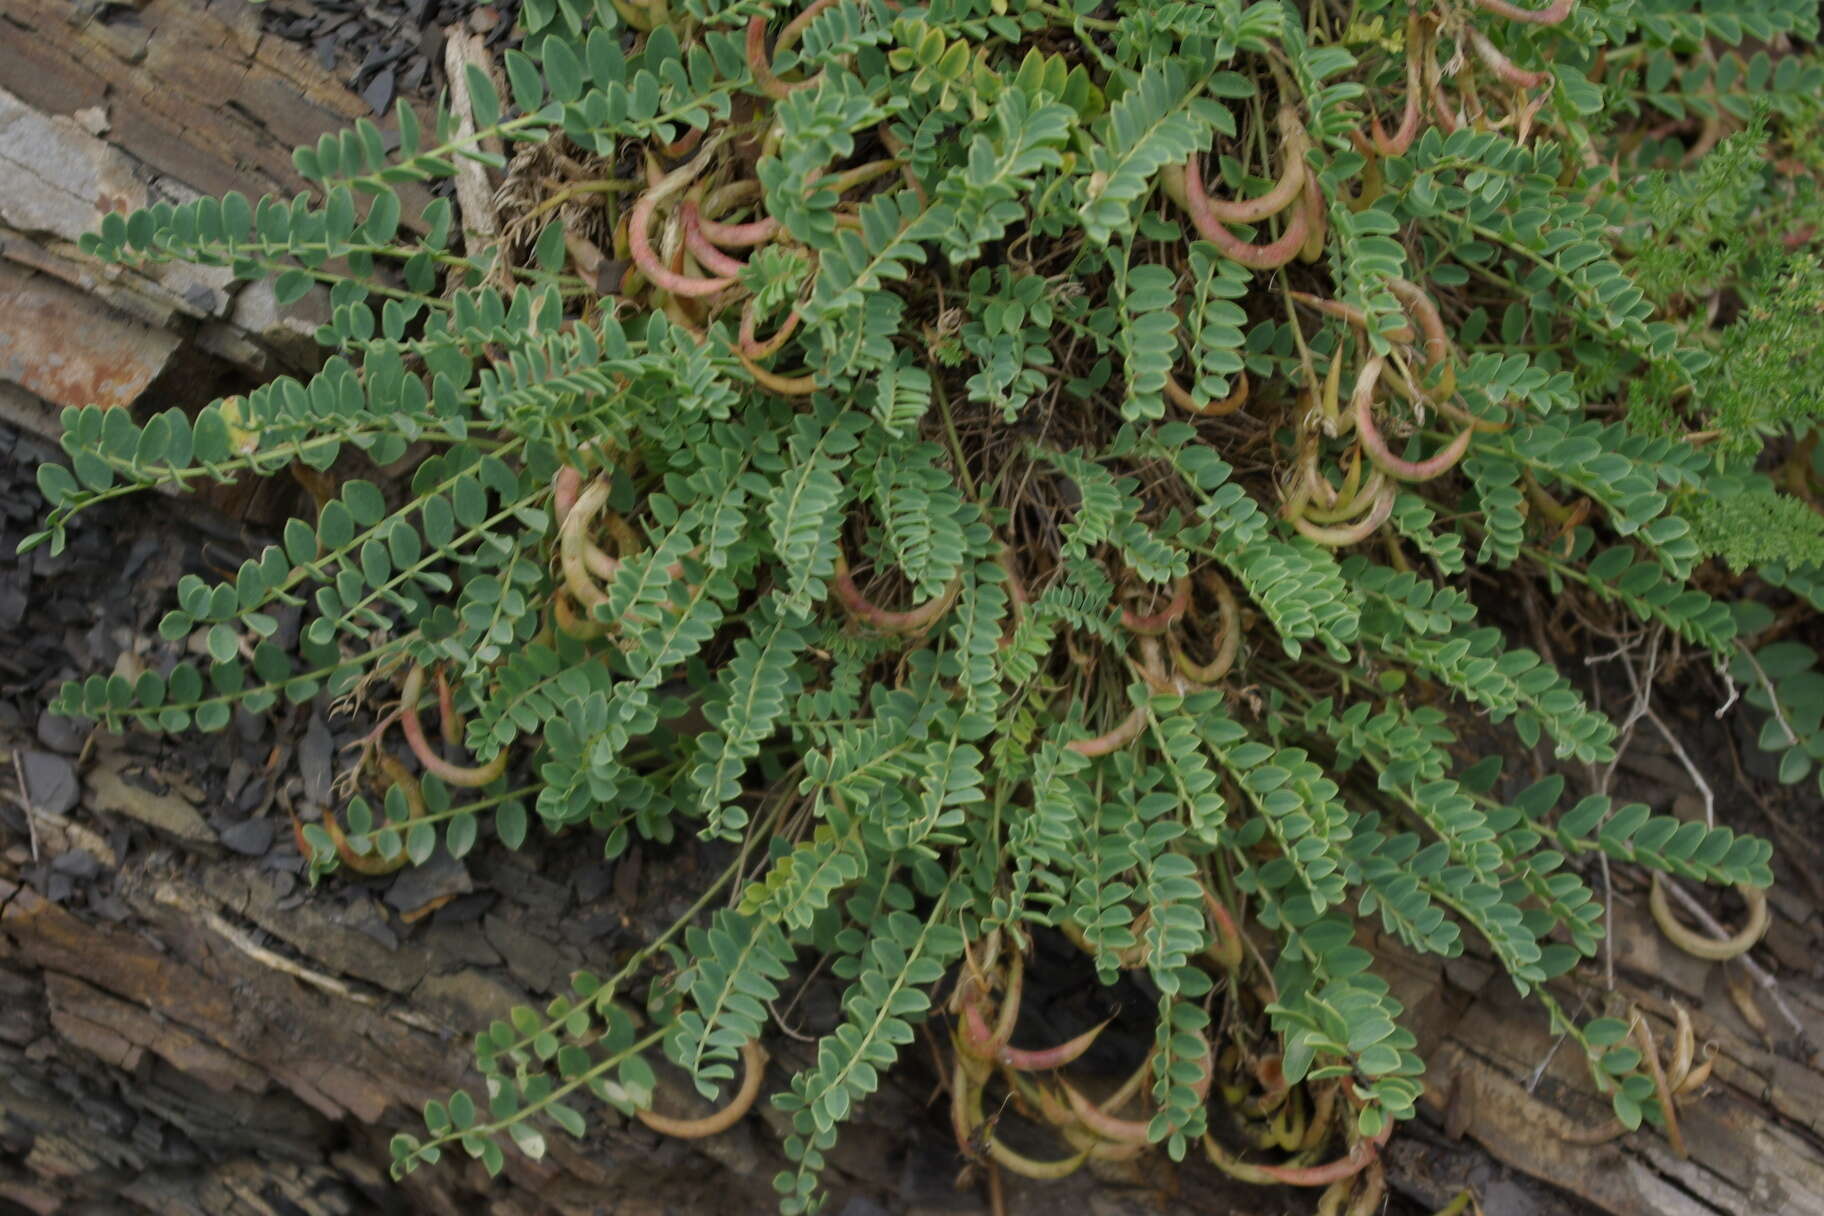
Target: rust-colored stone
(58,345)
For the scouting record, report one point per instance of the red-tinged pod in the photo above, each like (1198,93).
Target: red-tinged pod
(684,145)
(708,256)
(750,345)
(1400,141)
(639,237)
(468,777)
(1225,951)
(738,236)
(1431,324)
(1347,1166)
(1292,175)
(1317,220)
(1028,1060)
(564,490)
(1185,183)
(1503,67)
(1101,1122)
(1376,447)
(1114,740)
(910,622)
(974,1035)
(447,717)
(1154,624)
(760,63)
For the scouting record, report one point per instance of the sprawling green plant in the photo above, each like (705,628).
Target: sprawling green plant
(1015,463)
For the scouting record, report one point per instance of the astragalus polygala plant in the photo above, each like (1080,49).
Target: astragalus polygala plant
(1010,465)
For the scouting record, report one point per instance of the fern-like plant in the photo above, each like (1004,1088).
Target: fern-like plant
(1043,443)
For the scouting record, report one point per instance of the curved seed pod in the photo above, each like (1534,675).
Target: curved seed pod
(1684,1047)
(1551,14)
(1351,314)
(1668,1109)
(1185,184)
(1347,1166)
(1293,144)
(1450,407)
(1368,1195)
(1401,140)
(760,63)
(1098,1119)
(1225,951)
(447,717)
(910,622)
(1376,447)
(468,777)
(734,236)
(1040,1101)
(708,256)
(784,386)
(564,490)
(1156,623)
(1098,1148)
(1338,536)
(1350,504)
(1694,1080)
(1114,740)
(1431,323)
(639,242)
(969,1123)
(573,545)
(1714,949)
(1233,1166)
(1031,1060)
(754,1068)
(1287,1127)
(684,145)
(1238,397)
(1321,1109)
(977,1039)
(1317,220)
(1226,649)
(1502,66)
(750,346)
(1041,1060)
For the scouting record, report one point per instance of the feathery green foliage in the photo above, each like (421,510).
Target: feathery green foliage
(965,408)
